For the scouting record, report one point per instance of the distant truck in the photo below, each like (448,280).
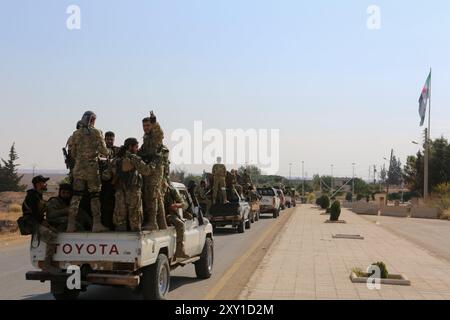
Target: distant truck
(236,213)
(282,197)
(141,261)
(270,201)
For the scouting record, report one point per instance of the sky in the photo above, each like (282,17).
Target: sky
(339,92)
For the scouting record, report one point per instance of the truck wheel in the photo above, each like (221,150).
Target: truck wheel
(248,224)
(66,294)
(156,279)
(241,227)
(275,213)
(204,266)
(253,219)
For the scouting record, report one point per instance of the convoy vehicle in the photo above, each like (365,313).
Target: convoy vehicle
(282,198)
(288,201)
(254,209)
(270,201)
(139,260)
(235,213)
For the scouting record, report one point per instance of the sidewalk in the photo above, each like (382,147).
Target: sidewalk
(305,262)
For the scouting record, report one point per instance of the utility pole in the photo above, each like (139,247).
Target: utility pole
(303,178)
(290,171)
(427,146)
(332,178)
(387,180)
(426,159)
(353,179)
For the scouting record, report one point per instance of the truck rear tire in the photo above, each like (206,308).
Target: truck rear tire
(241,227)
(66,294)
(248,224)
(156,279)
(275,214)
(204,266)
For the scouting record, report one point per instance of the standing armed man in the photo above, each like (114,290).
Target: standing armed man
(87,145)
(219,172)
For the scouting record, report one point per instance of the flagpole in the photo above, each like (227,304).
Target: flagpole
(427,146)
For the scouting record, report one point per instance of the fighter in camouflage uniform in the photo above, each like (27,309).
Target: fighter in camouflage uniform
(58,209)
(126,172)
(151,151)
(87,145)
(219,172)
(172,202)
(34,211)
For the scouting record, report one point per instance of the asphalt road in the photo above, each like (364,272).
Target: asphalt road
(229,247)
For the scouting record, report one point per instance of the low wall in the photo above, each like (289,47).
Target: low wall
(424,212)
(366,208)
(390,211)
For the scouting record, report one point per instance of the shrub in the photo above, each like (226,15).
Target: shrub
(311,198)
(384,274)
(335,211)
(323,202)
(359,196)
(349,197)
(15,208)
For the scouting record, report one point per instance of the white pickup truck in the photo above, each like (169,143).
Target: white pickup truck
(270,201)
(142,261)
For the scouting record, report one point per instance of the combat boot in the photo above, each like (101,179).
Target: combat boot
(162,223)
(98,226)
(180,252)
(151,225)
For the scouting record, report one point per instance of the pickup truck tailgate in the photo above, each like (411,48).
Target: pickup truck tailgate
(127,247)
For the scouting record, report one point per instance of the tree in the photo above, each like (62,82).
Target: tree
(383,174)
(394,175)
(253,171)
(9,177)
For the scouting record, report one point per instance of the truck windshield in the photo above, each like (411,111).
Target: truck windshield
(266,192)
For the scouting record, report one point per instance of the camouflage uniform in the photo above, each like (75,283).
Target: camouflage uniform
(151,152)
(219,172)
(87,145)
(107,194)
(200,194)
(126,173)
(35,207)
(58,213)
(171,197)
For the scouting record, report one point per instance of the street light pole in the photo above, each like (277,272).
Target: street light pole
(290,171)
(332,178)
(303,178)
(353,180)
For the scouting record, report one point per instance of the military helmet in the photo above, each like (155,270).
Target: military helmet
(87,117)
(130,142)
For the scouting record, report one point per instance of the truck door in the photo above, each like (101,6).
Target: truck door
(192,234)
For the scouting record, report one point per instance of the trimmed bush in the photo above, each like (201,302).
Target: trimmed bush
(349,197)
(384,274)
(335,211)
(323,202)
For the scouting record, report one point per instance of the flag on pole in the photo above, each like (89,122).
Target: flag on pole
(423,100)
